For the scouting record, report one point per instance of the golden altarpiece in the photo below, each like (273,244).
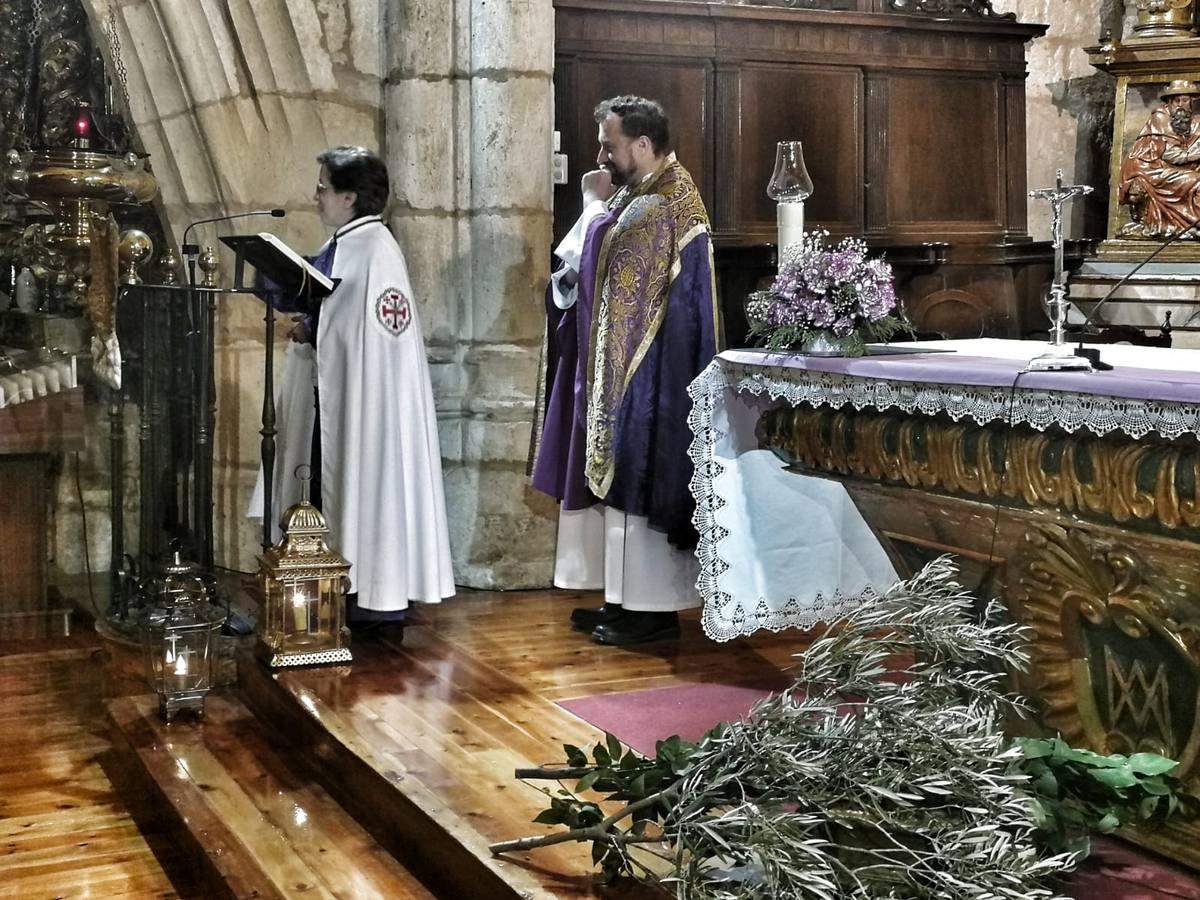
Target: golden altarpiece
(98,357)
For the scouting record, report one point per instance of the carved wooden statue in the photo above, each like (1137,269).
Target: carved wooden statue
(1160,176)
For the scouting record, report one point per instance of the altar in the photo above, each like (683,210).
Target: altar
(1074,496)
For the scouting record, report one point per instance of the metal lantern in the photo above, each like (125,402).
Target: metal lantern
(180,633)
(304,585)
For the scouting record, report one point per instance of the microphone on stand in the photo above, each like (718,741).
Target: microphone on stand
(192,250)
(1093,354)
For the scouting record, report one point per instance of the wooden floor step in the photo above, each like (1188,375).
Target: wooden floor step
(257,825)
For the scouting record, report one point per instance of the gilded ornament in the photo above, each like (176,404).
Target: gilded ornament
(1115,646)
(1111,480)
(14,53)
(65,75)
(135,248)
(210,265)
(1164,18)
(982,8)
(168,267)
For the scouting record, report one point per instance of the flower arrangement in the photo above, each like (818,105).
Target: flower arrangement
(836,299)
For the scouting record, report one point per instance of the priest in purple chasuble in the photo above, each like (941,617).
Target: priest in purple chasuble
(355,402)
(632,320)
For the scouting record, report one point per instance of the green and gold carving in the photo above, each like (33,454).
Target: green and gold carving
(1116,649)
(1146,484)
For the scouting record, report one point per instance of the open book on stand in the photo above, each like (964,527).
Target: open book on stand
(291,273)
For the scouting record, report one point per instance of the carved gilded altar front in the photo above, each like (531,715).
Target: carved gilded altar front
(1093,542)
(1146,484)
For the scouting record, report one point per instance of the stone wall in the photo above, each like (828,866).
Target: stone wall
(233,101)
(1069,106)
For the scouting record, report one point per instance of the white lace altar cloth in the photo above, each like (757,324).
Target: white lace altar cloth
(781,550)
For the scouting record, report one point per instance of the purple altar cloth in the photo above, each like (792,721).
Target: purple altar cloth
(1170,386)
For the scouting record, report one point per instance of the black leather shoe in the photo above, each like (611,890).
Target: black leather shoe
(638,628)
(584,619)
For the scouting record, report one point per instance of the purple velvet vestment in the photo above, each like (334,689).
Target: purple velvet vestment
(662,335)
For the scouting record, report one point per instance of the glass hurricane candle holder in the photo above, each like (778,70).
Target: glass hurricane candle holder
(790,186)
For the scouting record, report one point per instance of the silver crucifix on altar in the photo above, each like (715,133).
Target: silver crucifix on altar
(1060,355)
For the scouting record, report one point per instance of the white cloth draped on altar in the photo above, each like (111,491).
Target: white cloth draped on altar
(779,549)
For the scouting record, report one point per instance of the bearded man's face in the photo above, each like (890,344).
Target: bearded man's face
(1181,114)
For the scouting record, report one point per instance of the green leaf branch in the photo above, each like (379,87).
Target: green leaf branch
(884,772)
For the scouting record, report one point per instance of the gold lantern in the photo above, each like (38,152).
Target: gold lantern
(180,635)
(304,585)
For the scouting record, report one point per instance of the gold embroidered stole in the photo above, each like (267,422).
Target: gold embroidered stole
(640,258)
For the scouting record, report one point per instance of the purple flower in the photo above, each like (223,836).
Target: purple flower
(838,289)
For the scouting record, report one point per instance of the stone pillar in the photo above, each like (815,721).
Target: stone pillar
(469,112)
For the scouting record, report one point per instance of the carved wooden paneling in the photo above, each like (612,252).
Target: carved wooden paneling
(860,40)
(23,485)
(818,105)
(913,126)
(943,169)
(1014,148)
(642,30)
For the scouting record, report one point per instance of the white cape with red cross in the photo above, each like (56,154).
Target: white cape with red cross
(381,472)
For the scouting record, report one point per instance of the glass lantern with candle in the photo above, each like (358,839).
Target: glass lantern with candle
(180,634)
(304,586)
(790,186)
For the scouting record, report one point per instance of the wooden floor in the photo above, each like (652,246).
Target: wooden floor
(65,832)
(440,723)
(469,696)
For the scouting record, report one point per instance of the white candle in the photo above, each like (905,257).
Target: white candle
(180,668)
(26,385)
(299,612)
(38,378)
(791,224)
(12,391)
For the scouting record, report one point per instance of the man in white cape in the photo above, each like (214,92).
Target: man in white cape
(370,428)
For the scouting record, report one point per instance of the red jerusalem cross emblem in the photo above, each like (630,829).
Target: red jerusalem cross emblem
(393,311)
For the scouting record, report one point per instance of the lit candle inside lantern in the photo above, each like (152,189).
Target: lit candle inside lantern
(300,611)
(180,668)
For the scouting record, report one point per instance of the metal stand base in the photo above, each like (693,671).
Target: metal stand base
(276,659)
(1059,358)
